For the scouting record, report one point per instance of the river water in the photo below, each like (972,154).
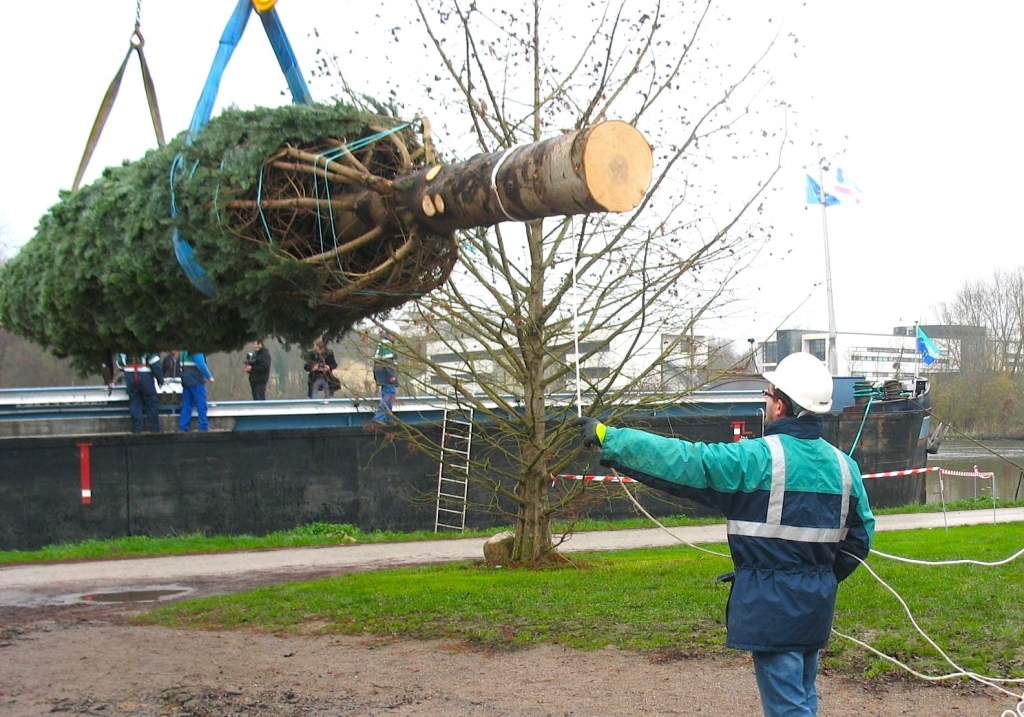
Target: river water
(1004,458)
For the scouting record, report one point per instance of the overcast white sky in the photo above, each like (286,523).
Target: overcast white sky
(925,93)
(920,96)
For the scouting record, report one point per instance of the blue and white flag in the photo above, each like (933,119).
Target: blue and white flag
(844,187)
(929,351)
(816,196)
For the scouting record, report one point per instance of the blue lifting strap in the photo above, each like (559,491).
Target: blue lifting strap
(185,255)
(285,57)
(204,109)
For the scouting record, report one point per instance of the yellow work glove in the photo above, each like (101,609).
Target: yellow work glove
(592,429)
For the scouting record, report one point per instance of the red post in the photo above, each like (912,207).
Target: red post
(85,472)
(739,431)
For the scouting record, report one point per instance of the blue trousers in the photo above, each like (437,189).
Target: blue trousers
(319,388)
(387,396)
(786,683)
(142,404)
(193,397)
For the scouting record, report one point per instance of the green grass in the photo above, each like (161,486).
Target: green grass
(966,504)
(652,599)
(642,600)
(974,613)
(315,534)
(320,534)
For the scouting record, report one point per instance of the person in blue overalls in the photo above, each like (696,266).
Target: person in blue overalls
(194,375)
(142,374)
(385,376)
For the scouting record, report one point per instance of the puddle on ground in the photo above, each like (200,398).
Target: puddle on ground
(128,594)
(134,595)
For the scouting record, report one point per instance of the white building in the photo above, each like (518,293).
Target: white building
(875,356)
(677,361)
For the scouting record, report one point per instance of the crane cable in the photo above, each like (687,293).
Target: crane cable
(135,44)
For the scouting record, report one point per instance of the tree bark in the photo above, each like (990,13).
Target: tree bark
(603,168)
(533,534)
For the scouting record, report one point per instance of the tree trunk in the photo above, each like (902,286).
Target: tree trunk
(604,168)
(533,535)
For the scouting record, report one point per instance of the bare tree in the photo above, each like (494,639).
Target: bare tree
(24,364)
(998,305)
(990,367)
(549,305)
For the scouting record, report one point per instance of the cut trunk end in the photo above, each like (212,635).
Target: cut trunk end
(603,168)
(617,165)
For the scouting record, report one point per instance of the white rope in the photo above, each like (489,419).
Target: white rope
(576,335)
(960,672)
(911,561)
(990,682)
(993,682)
(494,181)
(655,521)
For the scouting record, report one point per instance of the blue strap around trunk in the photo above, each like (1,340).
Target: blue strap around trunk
(204,109)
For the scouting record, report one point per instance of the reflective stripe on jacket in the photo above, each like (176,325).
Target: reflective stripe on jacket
(793,502)
(141,364)
(143,372)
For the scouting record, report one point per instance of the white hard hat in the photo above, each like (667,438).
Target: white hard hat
(804,379)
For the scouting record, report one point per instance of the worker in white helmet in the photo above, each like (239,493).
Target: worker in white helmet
(797,514)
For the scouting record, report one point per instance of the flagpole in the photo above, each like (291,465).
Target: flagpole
(917,343)
(833,359)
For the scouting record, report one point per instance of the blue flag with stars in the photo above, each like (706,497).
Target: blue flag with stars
(816,196)
(929,351)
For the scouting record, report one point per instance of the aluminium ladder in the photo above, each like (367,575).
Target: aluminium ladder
(453,471)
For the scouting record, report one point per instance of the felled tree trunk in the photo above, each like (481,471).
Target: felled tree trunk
(303,220)
(603,168)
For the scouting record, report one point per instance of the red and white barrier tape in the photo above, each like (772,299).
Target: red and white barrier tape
(896,474)
(968,474)
(597,479)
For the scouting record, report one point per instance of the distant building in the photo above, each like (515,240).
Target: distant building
(686,355)
(669,362)
(877,357)
(676,362)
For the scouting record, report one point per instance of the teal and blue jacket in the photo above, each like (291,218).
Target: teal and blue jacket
(794,504)
(194,371)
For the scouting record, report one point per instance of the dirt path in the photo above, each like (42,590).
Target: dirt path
(61,653)
(75,660)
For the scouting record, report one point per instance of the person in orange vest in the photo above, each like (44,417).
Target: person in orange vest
(142,374)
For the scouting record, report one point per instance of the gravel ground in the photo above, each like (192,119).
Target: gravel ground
(64,650)
(89,660)
(60,664)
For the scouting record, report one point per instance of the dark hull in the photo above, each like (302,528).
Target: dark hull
(294,465)
(892,438)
